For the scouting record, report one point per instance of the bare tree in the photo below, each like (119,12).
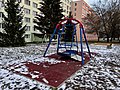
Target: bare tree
(92,23)
(114,18)
(109,13)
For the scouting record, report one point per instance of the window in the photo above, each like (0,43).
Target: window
(1,4)
(75,14)
(34,13)
(75,9)
(28,28)
(26,11)
(34,28)
(35,5)
(68,1)
(67,7)
(75,4)
(27,36)
(83,4)
(27,19)
(3,25)
(1,14)
(18,0)
(0,25)
(64,10)
(27,2)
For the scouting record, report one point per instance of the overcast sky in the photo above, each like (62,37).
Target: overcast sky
(88,1)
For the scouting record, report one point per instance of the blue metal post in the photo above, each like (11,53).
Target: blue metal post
(86,43)
(76,37)
(81,43)
(73,37)
(58,41)
(65,39)
(50,41)
(59,37)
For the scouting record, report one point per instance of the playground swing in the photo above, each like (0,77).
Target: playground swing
(62,28)
(66,43)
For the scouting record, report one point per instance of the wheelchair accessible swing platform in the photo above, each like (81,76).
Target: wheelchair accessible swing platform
(69,51)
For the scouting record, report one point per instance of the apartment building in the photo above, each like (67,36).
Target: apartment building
(80,9)
(66,4)
(30,11)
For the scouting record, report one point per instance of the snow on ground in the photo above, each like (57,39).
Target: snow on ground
(102,72)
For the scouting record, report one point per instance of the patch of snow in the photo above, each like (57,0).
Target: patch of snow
(36,72)
(34,76)
(45,80)
(76,57)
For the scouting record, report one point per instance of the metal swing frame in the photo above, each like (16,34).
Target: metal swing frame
(63,23)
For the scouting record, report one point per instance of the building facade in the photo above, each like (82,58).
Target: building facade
(80,9)
(66,5)
(30,11)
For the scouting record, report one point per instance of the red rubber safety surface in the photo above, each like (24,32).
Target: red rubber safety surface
(55,74)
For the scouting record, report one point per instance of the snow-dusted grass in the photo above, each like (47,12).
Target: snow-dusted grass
(102,72)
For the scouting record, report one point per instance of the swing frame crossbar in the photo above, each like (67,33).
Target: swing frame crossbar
(65,45)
